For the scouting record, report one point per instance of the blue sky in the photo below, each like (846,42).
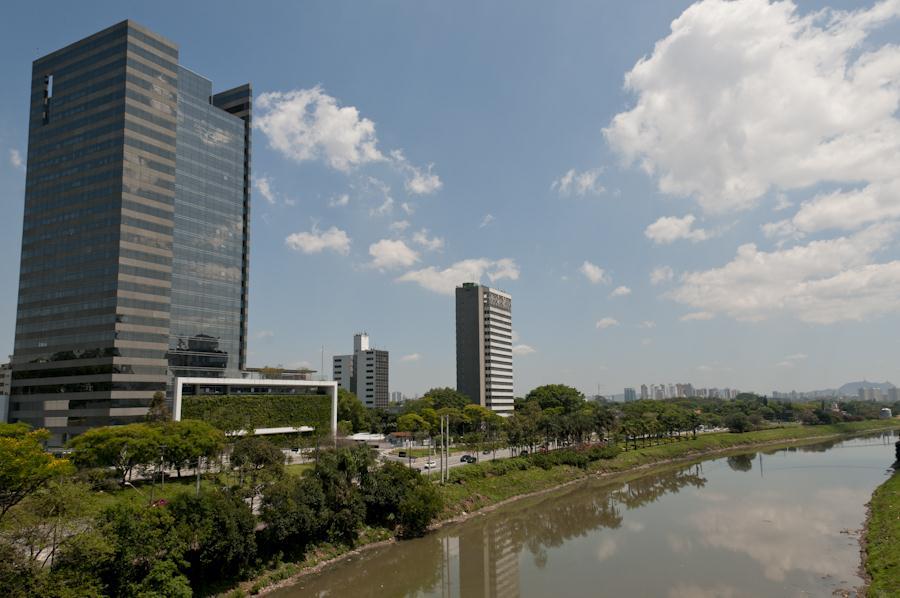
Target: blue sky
(728,218)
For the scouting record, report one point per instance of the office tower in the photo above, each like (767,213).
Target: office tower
(484,368)
(396,397)
(893,394)
(630,395)
(135,237)
(645,393)
(365,372)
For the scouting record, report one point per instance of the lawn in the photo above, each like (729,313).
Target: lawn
(883,540)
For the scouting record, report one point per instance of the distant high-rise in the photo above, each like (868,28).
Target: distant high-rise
(365,372)
(484,367)
(135,239)
(645,393)
(630,395)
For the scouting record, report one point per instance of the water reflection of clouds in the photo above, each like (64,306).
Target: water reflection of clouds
(696,591)
(606,548)
(783,536)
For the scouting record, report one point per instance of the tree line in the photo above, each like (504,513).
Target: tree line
(90,525)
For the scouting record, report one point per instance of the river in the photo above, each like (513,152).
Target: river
(769,523)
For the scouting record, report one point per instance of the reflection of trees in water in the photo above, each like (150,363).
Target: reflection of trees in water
(489,546)
(555,524)
(649,489)
(405,569)
(741,462)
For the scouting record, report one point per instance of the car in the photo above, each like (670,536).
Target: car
(429,465)
(523,454)
(467,459)
(401,454)
(486,452)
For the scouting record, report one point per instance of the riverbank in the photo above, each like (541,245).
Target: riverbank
(470,493)
(477,493)
(881,542)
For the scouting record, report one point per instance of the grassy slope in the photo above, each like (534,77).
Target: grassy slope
(478,493)
(883,540)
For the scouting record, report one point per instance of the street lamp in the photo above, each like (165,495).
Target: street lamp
(135,488)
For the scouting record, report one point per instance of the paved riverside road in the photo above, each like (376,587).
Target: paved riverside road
(419,463)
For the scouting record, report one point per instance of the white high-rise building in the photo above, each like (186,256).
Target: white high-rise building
(484,360)
(365,372)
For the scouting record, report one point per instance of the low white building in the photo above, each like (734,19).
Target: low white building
(239,386)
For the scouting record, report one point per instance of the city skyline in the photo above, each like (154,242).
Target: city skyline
(451,172)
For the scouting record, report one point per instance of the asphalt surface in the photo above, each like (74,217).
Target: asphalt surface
(420,462)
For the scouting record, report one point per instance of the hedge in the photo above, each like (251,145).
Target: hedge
(243,412)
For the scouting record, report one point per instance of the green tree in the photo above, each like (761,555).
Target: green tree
(261,459)
(141,541)
(187,441)
(551,396)
(447,397)
(339,471)
(294,511)
(158,412)
(412,422)
(217,529)
(25,466)
(120,447)
(351,409)
(738,423)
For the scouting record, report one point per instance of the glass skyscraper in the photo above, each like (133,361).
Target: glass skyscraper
(135,238)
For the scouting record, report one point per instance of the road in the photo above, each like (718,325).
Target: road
(419,463)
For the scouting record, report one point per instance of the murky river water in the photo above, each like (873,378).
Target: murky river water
(776,523)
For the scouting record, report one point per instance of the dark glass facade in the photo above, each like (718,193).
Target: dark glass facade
(209,273)
(113,169)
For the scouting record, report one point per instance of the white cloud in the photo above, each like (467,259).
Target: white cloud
(399,225)
(782,202)
(430,244)
(390,253)
(418,181)
(504,268)
(339,201)
(308,124)
(620,292)
(791,360)
(603,323)
(316,241)
(523,350)
(745,96)
(647,324)
(411,357)
(697,316)
(822,282)
(15,158)
(407,208)
(386,207)
(669,229)
(578,183)
(661,274)
(265,334)
(471,270)
(845,210)
(593,273)
(488,218)
(263,184)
